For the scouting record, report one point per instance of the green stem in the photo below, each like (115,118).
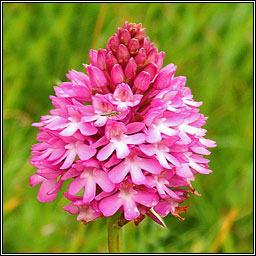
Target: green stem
(114,235)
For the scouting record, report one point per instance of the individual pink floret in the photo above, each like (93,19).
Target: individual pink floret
(117,140)
(128,198)
(124,98)
(88,174)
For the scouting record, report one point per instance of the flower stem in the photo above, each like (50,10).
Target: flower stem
(114,235)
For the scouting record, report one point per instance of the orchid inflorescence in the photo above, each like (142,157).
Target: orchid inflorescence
(128,135)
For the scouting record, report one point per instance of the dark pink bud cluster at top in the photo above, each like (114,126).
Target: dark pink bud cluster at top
(127,136)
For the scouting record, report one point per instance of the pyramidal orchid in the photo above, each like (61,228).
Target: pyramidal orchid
(128,135)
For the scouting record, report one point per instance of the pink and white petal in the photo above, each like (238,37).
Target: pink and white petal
(118,173)
(207,142)
(106,151)
(192,103)
(101,120)
(70,130)
(146,198)
(131,211)
(89,190)
(43,195)
(161,190)
(71,208)
(110,205)
(56,154)
(122,150)
(199,159)
(148,150)
(137,138)
(154,135)
(167,130)
(171,193)
(150,181)
(137,175)
(200,150)
(184,171)
(56,188)
(45,154)
(76,185)
(71,155)
(87,129)
(89,118)
(173,121)
(100,142)
(172,159)
(163,208)
(199,168)
(112,161)
(85,152)
(73,172)
(101,178)
(150,165)
(162,160)
(104,194)
(193,130)
(184,137)
(136,99)
(35,180)
(48,173)
(134,127)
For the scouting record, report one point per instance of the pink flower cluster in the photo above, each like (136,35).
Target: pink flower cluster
(127,136)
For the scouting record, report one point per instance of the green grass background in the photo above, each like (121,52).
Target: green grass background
(212,45)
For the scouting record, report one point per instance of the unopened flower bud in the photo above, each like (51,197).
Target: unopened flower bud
(125,36)
(93,57)
(142,81)
(152,55)
(133,45)
(141,34)
(146,44)
(132,28)
(101,59)
(114,43)
(160,60)
(97,77)
(117,74)
(151,68)
(141,57)
(130,69)
(111,60)
(123,54)
(165,76)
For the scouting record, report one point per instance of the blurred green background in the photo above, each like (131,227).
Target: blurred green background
(212,45)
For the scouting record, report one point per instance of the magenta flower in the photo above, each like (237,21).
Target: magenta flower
(128,135)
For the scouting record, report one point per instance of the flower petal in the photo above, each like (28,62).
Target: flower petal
(146,198)
(154,135)
(150,165)
(103,181)
(131,211)
(106,151)
(110,205)
(122,150)
(76,185)
(89,190)
(118,173)
(137,175)
(43,195)
(137,138)
(71,155)
(85,152)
